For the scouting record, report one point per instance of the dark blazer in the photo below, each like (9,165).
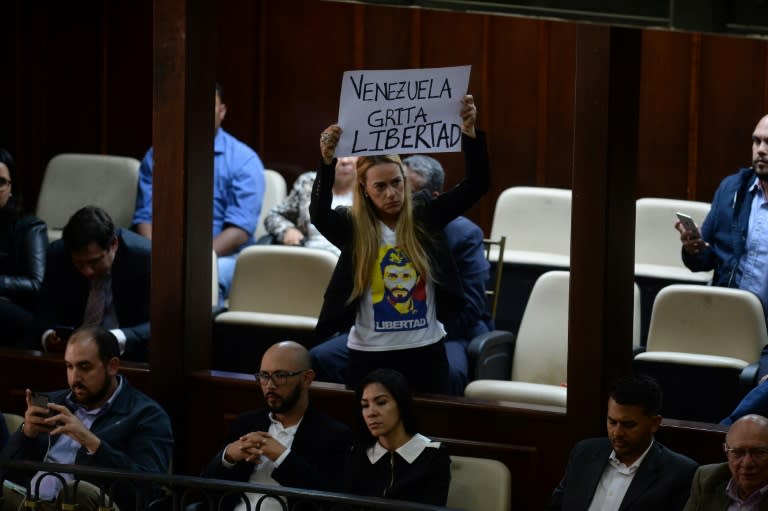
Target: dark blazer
(662,481)
(708,489)
(315,461)
(135,435)
(65,293)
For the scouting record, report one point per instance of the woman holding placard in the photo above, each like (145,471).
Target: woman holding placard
(395,278)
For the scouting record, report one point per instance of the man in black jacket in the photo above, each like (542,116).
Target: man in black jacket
(96,275)
(629,470)
(290,443)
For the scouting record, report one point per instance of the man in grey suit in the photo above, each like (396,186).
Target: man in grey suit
(629,470)
(742,482)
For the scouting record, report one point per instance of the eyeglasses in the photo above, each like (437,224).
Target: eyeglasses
(4,182)
(278,377)
(737,453)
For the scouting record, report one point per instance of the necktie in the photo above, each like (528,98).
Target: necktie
(94,307)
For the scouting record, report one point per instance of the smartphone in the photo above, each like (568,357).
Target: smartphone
(40,400)
(688,224)
(63,332)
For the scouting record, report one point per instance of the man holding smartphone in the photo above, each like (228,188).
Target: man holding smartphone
(100,420)
(733,239)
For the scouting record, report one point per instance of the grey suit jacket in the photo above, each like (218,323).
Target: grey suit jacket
(708,489)
(662,482)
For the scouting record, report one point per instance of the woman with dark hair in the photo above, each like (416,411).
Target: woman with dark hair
(392,460)
(23,244)
(396,283)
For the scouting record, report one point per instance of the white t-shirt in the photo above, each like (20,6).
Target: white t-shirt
(398,310)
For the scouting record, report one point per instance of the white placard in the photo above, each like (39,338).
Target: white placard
(402,111)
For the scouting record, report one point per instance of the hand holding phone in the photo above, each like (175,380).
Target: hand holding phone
(688,225)
(41,401)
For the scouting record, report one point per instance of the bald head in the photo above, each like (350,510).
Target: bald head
(289,355)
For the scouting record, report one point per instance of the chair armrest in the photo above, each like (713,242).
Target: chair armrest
(490,355)
(748,377)
(637,349)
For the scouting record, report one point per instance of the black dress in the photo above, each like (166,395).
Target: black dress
(424,479)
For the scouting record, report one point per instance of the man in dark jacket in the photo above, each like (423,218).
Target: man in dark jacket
(96,275)
(629,470)
(290,443)
(732,240)
(99,421)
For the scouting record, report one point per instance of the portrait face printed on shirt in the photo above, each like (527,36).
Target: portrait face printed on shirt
(89,378)
(630,430)
(94,262)
(746,447)
(380,411)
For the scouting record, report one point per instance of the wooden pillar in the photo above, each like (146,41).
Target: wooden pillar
(182,137)
(603,219)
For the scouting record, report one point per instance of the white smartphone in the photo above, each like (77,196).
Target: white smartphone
(688,224)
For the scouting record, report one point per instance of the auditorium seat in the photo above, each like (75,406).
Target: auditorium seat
(72,181)
(703,346)
(479,484)
(537,224)
(658,260)
(277,292)
(531,367)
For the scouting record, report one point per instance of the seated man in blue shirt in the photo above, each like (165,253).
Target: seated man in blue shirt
(465,240)
(238,189)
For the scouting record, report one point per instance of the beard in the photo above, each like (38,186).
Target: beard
(285,404)
(92,397)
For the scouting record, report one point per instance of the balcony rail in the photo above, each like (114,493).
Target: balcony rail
(161,492)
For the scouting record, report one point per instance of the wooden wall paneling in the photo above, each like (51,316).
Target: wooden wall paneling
(513,115)
(309,48)
(9,54)
(664,114)
(386,36)
(455,39)
(558,140)
(127,89)
(31,149)
(184,68)
(238,67)
(73,77)
(733,73)
(602,269)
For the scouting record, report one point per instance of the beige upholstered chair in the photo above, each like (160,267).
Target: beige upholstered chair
(540,352)
(277,292)
(12,421)
(72,181)
(657,243)
(275,191)
(479,484)
(537,224)
(703,345)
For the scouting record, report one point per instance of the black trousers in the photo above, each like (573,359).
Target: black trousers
(425,368)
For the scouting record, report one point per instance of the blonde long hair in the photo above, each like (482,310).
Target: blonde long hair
(367,233)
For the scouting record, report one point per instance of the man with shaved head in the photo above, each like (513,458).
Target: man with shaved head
(289,443)
(742,482)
